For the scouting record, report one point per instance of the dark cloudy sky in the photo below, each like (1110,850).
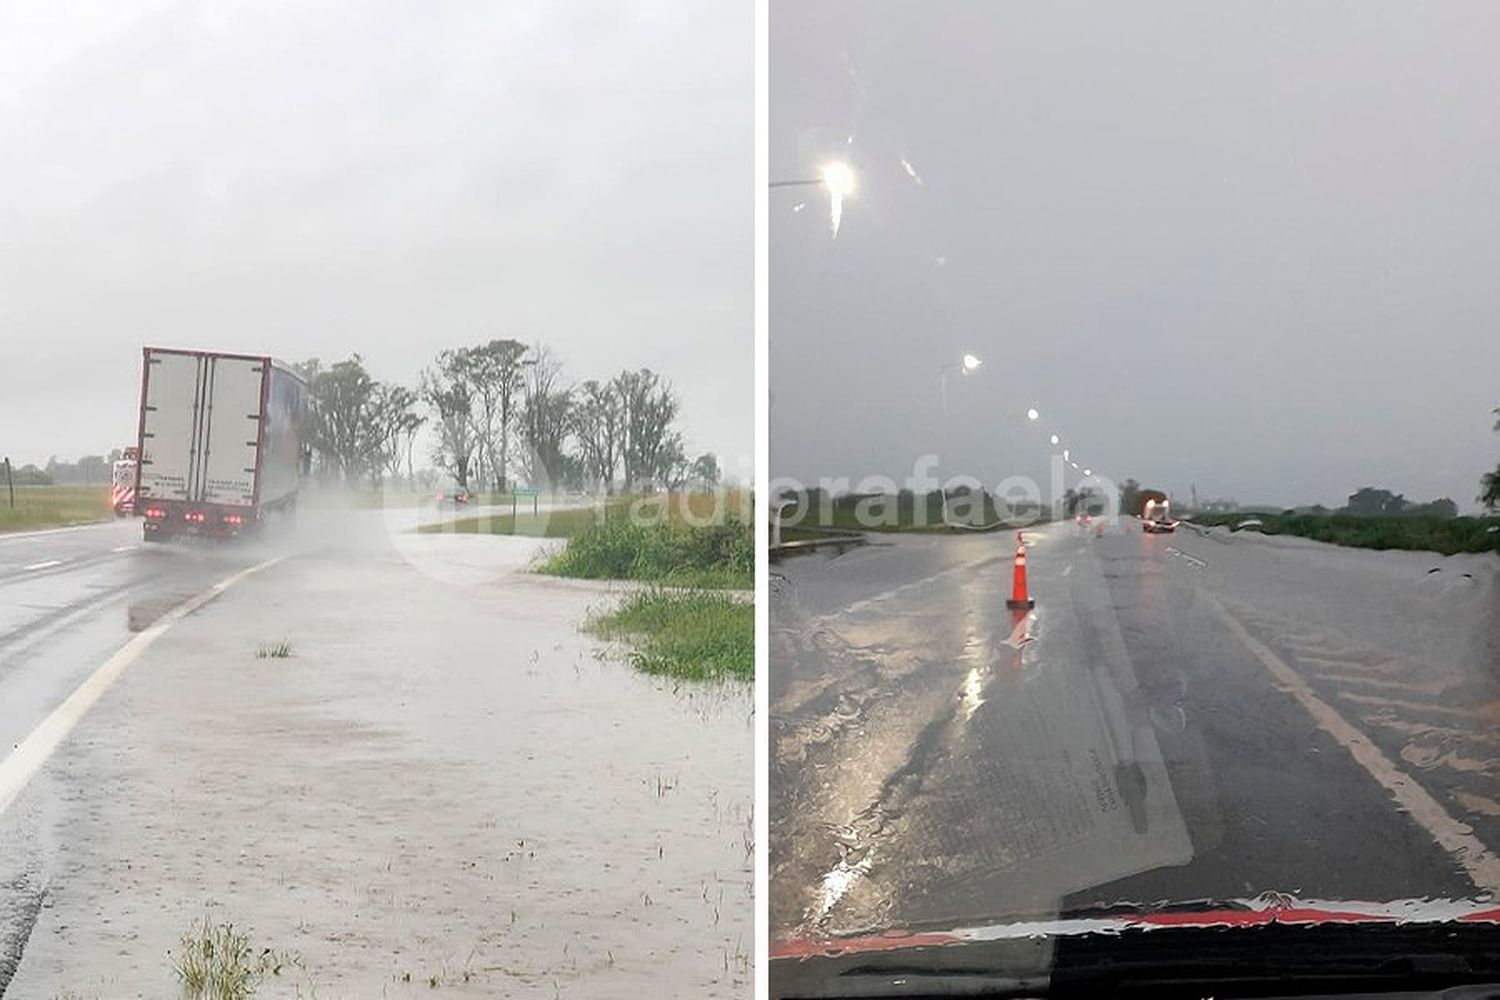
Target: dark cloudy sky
(1249,246)
(317,178)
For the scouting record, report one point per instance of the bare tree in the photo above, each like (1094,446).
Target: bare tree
(649,406)
(546,418)
(396,407)
(599,426)
(447,389)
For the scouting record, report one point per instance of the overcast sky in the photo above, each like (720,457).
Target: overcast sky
(1249,246)
(317,178)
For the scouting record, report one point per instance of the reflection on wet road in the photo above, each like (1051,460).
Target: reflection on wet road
(1182,717)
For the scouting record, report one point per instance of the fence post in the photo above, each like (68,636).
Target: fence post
(10,483)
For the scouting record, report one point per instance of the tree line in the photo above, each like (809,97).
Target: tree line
(500,413)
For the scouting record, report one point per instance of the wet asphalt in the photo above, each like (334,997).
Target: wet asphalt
(937,760)
(68,600)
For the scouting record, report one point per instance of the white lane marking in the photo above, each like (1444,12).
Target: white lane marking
(12,535)
(124,548)
(43,565)
(1194,560)
(31,753)
(1476,859)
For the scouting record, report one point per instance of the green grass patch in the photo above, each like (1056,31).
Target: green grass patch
(902,512)
(53,506)
(695,635)
(679,539)
(1425,534)
(718,555)
(562,523)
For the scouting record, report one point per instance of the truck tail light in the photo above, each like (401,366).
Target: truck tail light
(155,513)
(233,519)
(196,516)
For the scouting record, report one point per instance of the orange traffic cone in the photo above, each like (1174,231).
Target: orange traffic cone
(1019,599)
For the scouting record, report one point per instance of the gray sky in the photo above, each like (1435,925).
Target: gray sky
(392,178)
(1251,246)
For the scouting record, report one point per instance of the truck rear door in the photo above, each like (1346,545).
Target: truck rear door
(233,430)
(169,423)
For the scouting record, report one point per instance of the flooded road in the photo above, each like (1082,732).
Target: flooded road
(1183,717)
(444,784)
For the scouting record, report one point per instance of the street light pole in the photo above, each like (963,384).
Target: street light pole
(969,363)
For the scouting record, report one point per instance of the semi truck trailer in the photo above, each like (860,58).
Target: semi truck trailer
(222,443)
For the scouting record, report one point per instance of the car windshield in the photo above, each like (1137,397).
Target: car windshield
(1009,245)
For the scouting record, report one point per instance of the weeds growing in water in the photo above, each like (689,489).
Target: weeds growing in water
(218,963)
(718,555)
(273,651)
(698,635)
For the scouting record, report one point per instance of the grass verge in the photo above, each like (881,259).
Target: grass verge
(720,555)
(694,635)
(53,506)
(563,523)
(1425,534)
(903,512)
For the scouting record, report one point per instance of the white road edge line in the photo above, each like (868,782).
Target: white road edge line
(17,769)
(43,565)
(1476,859)
(9,535)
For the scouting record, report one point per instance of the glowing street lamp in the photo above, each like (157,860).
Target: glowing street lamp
(1031,414)
(1055,439)
(839,180)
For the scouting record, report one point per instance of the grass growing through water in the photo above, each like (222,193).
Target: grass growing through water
(273,651)
(720,555)
(696,635)
(217,962)
(695,540)
(52,506)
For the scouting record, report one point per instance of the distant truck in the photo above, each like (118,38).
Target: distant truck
(222,442)
(122,484)
(1156,516)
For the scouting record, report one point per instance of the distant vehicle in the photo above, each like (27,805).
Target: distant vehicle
(222,442)
(1156,517)
(122,485)
(1249,522)
(456,497)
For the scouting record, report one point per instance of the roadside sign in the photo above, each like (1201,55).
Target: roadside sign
(515,494)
